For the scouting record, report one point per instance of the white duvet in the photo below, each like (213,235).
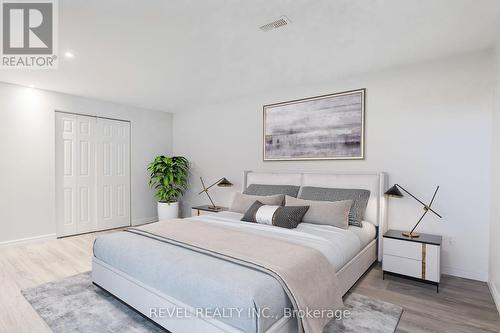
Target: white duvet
(338,245)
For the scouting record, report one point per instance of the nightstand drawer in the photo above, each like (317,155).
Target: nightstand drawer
(414,257)
(405,266)
(402,248)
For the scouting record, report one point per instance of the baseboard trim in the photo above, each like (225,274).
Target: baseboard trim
(496,294)
(144,220)
(40,238)
(29,240)
(478,276)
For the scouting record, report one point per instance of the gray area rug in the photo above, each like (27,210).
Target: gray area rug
(74,304)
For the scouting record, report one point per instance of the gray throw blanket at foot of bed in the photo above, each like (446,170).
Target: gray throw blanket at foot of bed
(305,274)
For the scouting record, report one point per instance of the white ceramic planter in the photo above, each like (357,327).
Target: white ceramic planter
(168,210)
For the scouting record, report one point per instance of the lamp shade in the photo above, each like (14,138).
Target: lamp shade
(394,192)
(224,183)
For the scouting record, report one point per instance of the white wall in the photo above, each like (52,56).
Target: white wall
(426,124)
(495,193)
(27,160)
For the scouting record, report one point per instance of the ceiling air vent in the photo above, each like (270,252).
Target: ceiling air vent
(279,23)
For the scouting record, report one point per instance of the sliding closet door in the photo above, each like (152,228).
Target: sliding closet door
(92,174)
(113,173)
(75,174)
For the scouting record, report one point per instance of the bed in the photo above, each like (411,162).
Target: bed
(150,275)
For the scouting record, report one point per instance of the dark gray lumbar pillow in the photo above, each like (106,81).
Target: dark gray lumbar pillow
(359,198)
(279,216)
(262,189)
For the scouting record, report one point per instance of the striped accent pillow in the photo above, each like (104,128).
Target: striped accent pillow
(261,189)
(279,216)
(359,198)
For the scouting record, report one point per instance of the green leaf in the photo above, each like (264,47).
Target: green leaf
(169,177)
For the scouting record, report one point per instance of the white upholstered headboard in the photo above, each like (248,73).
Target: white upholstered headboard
(375,182)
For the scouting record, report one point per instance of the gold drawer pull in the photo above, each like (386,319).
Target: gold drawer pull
(423,260)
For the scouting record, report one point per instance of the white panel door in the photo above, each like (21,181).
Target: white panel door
(92,174)
(113,173)
(85,161)
(75,174)
(66,181)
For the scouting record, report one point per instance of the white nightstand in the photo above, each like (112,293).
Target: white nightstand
(205,210)
(416,258)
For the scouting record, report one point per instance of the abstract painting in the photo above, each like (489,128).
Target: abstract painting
(323,127)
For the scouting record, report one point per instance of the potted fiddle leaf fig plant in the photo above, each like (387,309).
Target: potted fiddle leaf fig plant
(169,177)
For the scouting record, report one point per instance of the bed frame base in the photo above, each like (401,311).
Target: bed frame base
(146,299)
(354,269)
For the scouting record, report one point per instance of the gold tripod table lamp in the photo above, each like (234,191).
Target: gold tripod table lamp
(396,193)
(223,182)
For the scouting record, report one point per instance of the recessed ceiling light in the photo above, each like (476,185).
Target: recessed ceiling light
(69,54)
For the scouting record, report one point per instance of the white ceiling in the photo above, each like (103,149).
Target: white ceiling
(167,55)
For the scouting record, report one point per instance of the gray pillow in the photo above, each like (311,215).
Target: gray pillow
(359,198)
(242,202)
(324,212)
(279,216)
(261,189)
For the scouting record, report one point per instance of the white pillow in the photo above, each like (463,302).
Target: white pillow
(335,213)
(242,202)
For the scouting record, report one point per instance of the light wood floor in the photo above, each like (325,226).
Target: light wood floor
(462,306)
